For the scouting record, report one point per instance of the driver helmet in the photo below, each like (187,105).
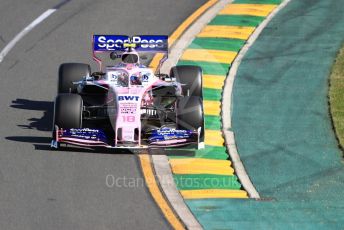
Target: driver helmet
(130,57)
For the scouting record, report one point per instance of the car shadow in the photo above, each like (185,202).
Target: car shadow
(41,124)
(38,123)
(172,152)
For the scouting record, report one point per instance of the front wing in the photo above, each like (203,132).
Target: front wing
(93,138)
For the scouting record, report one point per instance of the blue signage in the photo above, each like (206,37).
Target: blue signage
(143,43)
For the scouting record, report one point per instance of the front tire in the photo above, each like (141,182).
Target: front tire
(190,114)
(68,111)
(69,73)
(191,77)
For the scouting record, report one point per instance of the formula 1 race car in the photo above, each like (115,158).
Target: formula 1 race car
(126,105)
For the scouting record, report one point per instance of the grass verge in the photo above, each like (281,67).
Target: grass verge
(336,96)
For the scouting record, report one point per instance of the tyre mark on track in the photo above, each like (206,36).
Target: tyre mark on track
(62,3)
(2,39)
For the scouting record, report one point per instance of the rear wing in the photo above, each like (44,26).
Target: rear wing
(120,43)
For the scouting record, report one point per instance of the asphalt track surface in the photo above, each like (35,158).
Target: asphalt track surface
(282,125)
(44,189)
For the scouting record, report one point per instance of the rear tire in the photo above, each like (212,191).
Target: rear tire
(190,114)
(69,73)
(191,76)
(68,111)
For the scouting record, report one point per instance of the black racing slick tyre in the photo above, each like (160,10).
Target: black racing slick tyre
(68,111)
(191,77)
(69,73)
(190,114)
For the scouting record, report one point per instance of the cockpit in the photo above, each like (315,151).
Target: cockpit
(122,78)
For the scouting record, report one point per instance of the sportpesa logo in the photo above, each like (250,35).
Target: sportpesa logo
(142,43)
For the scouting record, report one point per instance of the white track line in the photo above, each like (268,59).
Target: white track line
(25,31)
(227,107)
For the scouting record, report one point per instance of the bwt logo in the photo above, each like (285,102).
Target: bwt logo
(128,98)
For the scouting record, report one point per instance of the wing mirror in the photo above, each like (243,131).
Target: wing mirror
(114,55)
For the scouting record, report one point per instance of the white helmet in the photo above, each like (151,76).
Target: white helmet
(130,57)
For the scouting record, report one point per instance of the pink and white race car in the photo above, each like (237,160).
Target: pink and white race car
(127,105)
